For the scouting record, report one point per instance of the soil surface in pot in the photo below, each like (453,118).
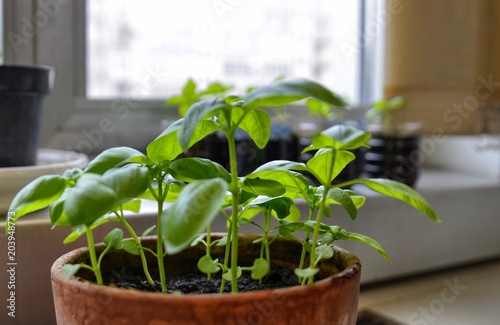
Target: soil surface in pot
(195,282)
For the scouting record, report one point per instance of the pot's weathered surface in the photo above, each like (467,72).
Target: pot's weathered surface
(330,301)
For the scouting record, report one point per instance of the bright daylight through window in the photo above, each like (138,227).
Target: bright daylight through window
(147,49)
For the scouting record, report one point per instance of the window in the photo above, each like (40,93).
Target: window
(244,43)
(120,59)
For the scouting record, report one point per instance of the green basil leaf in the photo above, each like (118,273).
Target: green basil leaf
(280,165)
(357,199)
(37,195)
(258,126)
(207,265)
(294,215)
(148,231)
(133,206)
(248,213)
(324,252)
(368,241)
(321,141)
(167,147)
(328,163)
(306,273)
(281,205)
(216,88)
(189,88)
(259,269)
(222,241)
(195,208)
(348,137)
(265,187)
(57,214)
(344,199)
(115,157)
(81,230)
(127,182)
(286,228)
(77,232)
(190,169)
(286,91)
(68,270)
(227,275)
(296,184)
(186,99)
(73,174)
(131,247)
(196,113)
(401,192)
(199,240)
(89,200)
(114,238)
(396,102)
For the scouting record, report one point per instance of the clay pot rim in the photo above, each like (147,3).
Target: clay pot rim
(36,79)
(351,271)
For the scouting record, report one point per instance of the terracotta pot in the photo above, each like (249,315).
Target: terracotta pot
(332,300)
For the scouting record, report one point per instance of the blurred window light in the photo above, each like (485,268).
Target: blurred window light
(148,49)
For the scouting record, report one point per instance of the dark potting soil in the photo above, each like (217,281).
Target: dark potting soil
(196,283)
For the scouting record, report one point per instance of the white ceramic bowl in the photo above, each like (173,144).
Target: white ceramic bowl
(49,161)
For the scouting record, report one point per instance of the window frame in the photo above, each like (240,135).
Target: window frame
(81,102)
(372,58)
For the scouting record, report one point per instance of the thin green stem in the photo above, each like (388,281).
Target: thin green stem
(85,266)
(93,257)
(152,252)
(386,117)
(101,256)
(303,281)
(267,223)
(137,241)
(319,215)
(306,239)
(234,189)
(348,183)
(153,193)
(226,257)
(208,243)
(159,238)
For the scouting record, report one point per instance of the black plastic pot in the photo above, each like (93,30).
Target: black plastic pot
(22,90)
(283,145)
(394,152)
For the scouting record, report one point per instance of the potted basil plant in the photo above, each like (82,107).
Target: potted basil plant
(319,282)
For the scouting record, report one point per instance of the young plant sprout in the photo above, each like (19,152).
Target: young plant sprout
(383,109)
